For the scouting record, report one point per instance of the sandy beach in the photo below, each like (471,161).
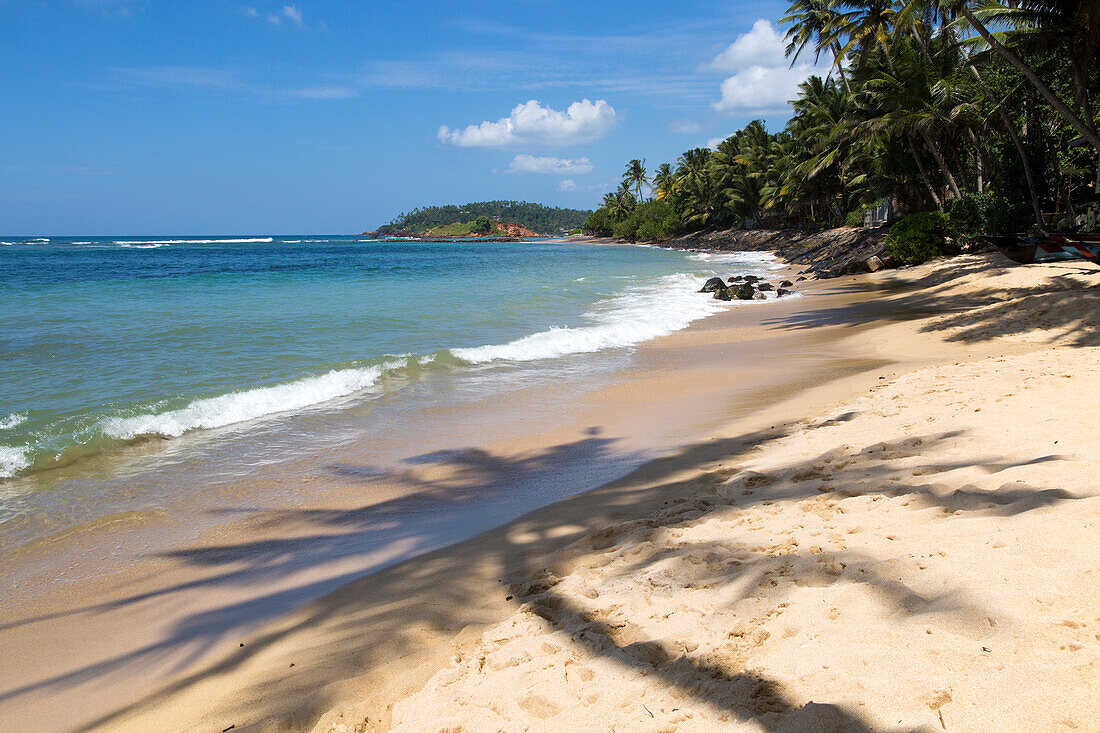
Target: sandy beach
(875,509)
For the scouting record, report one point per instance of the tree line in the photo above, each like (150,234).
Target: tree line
(536,217)
(978,109)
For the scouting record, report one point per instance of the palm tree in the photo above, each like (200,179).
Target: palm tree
(664,180)
(866,25)
(929,99)
(635,176)
(1065,15)
(620,203)
(692,165)
(816,21)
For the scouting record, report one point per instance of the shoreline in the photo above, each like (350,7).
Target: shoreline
(345,646)
(150,592)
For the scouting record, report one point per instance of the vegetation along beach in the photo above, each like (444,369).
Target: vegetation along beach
(596,415)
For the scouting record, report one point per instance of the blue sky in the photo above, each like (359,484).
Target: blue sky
(263,116)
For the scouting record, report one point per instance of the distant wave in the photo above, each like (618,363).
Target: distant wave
(638,315)
(13,460)
(192,241)
(16,418)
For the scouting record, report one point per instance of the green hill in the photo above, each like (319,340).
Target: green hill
(536,217)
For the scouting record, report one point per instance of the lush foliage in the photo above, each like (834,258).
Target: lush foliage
(918,237)
(536,217)
(976,215)
(478,227)
(969,107)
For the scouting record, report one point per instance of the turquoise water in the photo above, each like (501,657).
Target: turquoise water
(109,341)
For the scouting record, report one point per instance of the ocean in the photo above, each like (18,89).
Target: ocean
(107,343)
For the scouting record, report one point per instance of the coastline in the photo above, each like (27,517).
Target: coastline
(180,607)
(360,650)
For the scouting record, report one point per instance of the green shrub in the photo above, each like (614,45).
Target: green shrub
(977,215)
(599,223)
(626,229)
(918,237)
(652,220)
(855,217)
(652,229)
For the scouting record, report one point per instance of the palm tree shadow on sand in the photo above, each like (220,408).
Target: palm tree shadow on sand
(379,619)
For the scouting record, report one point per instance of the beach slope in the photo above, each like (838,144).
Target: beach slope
(905,537)
(924,557)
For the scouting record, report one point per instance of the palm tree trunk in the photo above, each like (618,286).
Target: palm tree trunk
(840,69)
(924,173)
(938,155)
(979,160)
(1048,94)
(1081,74)
(1011,129)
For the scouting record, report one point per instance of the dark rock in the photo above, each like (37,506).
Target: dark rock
(819,253)
(715,283)
(786,284)
(737,278)
(723,294)
(782,291)
(764,286)
(751,279)
(759,296)
(799,279)
(745,292)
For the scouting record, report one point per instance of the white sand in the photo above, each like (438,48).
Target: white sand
(926,557)
(898,529)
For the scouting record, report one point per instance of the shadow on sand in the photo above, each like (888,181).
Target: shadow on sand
(431,594)
(383,617)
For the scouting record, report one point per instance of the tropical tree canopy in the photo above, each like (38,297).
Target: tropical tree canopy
(929,105)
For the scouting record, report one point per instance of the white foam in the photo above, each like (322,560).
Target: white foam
(13,460)
(758,261)
(638,315)
(191,241)
(16,418)
(40,239)
(235,407)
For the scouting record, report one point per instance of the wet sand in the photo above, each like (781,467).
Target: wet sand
(483,634)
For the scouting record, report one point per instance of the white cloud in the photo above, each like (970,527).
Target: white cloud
(293,13)
(252,12)
(568,184)
(524,163)
(762,46)
(532,124)
(714,142)
(760,77)
(274,20)
(762,89)
(685,127)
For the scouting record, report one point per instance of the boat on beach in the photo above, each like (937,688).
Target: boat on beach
(1049,247)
